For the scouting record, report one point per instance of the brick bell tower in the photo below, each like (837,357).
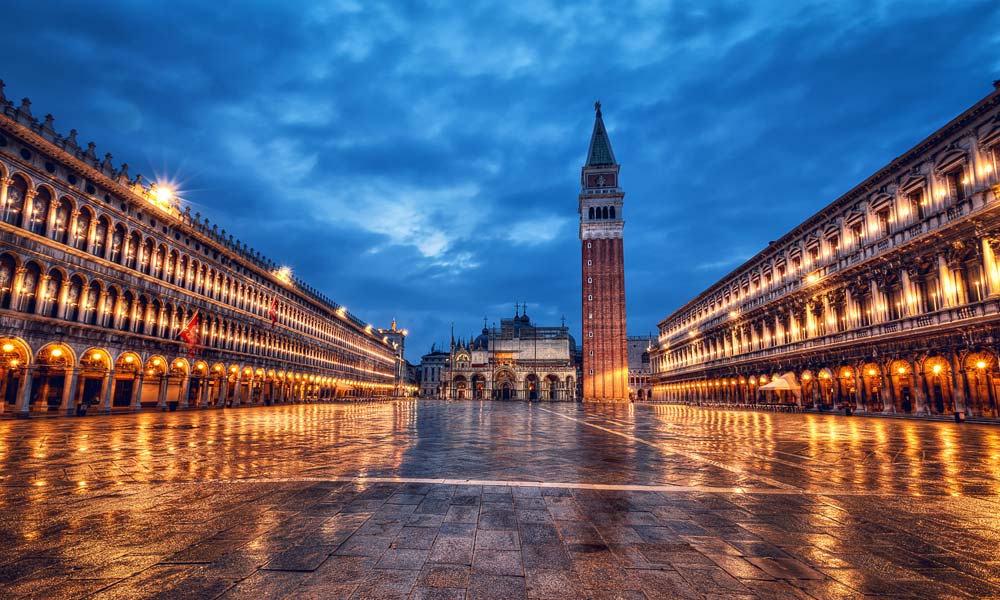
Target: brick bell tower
(605,345)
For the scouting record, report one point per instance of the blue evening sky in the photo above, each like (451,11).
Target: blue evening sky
(422,161)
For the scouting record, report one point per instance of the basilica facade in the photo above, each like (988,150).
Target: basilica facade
(115,298)
(887,300)
(516,361)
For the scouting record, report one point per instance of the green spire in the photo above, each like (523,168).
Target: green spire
(600,153)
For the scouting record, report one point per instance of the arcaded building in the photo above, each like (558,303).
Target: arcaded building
(115,297)
(886,300)
(601,200)
(518,360)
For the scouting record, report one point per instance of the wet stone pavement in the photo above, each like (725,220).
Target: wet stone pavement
(497,500)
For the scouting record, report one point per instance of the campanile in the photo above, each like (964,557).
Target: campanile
(605,345)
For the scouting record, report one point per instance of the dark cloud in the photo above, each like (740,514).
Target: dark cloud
(421,161)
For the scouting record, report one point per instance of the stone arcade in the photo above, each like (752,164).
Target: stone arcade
(887,300)
(100,272)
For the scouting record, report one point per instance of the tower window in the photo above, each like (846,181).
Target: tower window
(588,245)
(605,212)
(589,262)
(612,212)
(590,213)
(590,280)
(590,298)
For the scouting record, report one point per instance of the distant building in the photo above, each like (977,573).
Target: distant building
(429,372)
(639,346)
(397,339)
(517,361)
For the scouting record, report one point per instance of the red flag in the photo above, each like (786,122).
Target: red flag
(273,313)
(191,334)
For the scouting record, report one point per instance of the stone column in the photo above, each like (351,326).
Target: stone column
(136,400)
(22,408)
(161,396)
(991,279)
(40,289)
(63,311)
(920,398)
(958,384)
(185,391)
(107,390)
(237,388)
(67,405)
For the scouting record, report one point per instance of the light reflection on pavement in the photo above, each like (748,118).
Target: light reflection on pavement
(435,499)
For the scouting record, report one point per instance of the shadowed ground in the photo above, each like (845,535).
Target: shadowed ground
(492,500)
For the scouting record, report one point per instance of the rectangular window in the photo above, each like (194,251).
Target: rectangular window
(857,233)
(917,203)
(956,184)
(882,217)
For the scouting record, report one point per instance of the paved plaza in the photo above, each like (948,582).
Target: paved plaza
(497,500)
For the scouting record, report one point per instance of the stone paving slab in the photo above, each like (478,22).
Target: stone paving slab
(497,500)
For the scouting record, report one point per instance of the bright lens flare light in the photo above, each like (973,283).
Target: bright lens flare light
(284,274)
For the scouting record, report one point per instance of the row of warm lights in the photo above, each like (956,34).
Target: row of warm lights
(846,373)
(873,228)
(378,352)
(911,301)
(164,195)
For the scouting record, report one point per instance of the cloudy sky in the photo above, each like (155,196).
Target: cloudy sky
(421,161)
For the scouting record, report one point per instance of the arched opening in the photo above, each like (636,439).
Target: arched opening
(61,224)
(51,381)
(154,382)
(15,356)
(111,308)
(94,370)
(39,217)
(27,302)
(604,212)
(13,208)
(74,297)
(872,397)
(126,310)
(531,387)
(460,387)
(8,267)
(128,368)
(90,303)
(117,244)
(937,378)
(980,368)
(99,247)
(503,386)
(80,231)
(590,213)
(132,250)
(552,387)
(611,212)
(51,291)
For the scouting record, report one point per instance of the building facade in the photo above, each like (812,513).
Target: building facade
(431,366)
(517,361)
(887,300)
(639,371)
(605,352)
(397,339)
(102,274)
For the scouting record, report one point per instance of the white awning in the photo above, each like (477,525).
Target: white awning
(779,384)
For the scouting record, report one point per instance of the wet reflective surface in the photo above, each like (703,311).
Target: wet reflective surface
(493,500)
